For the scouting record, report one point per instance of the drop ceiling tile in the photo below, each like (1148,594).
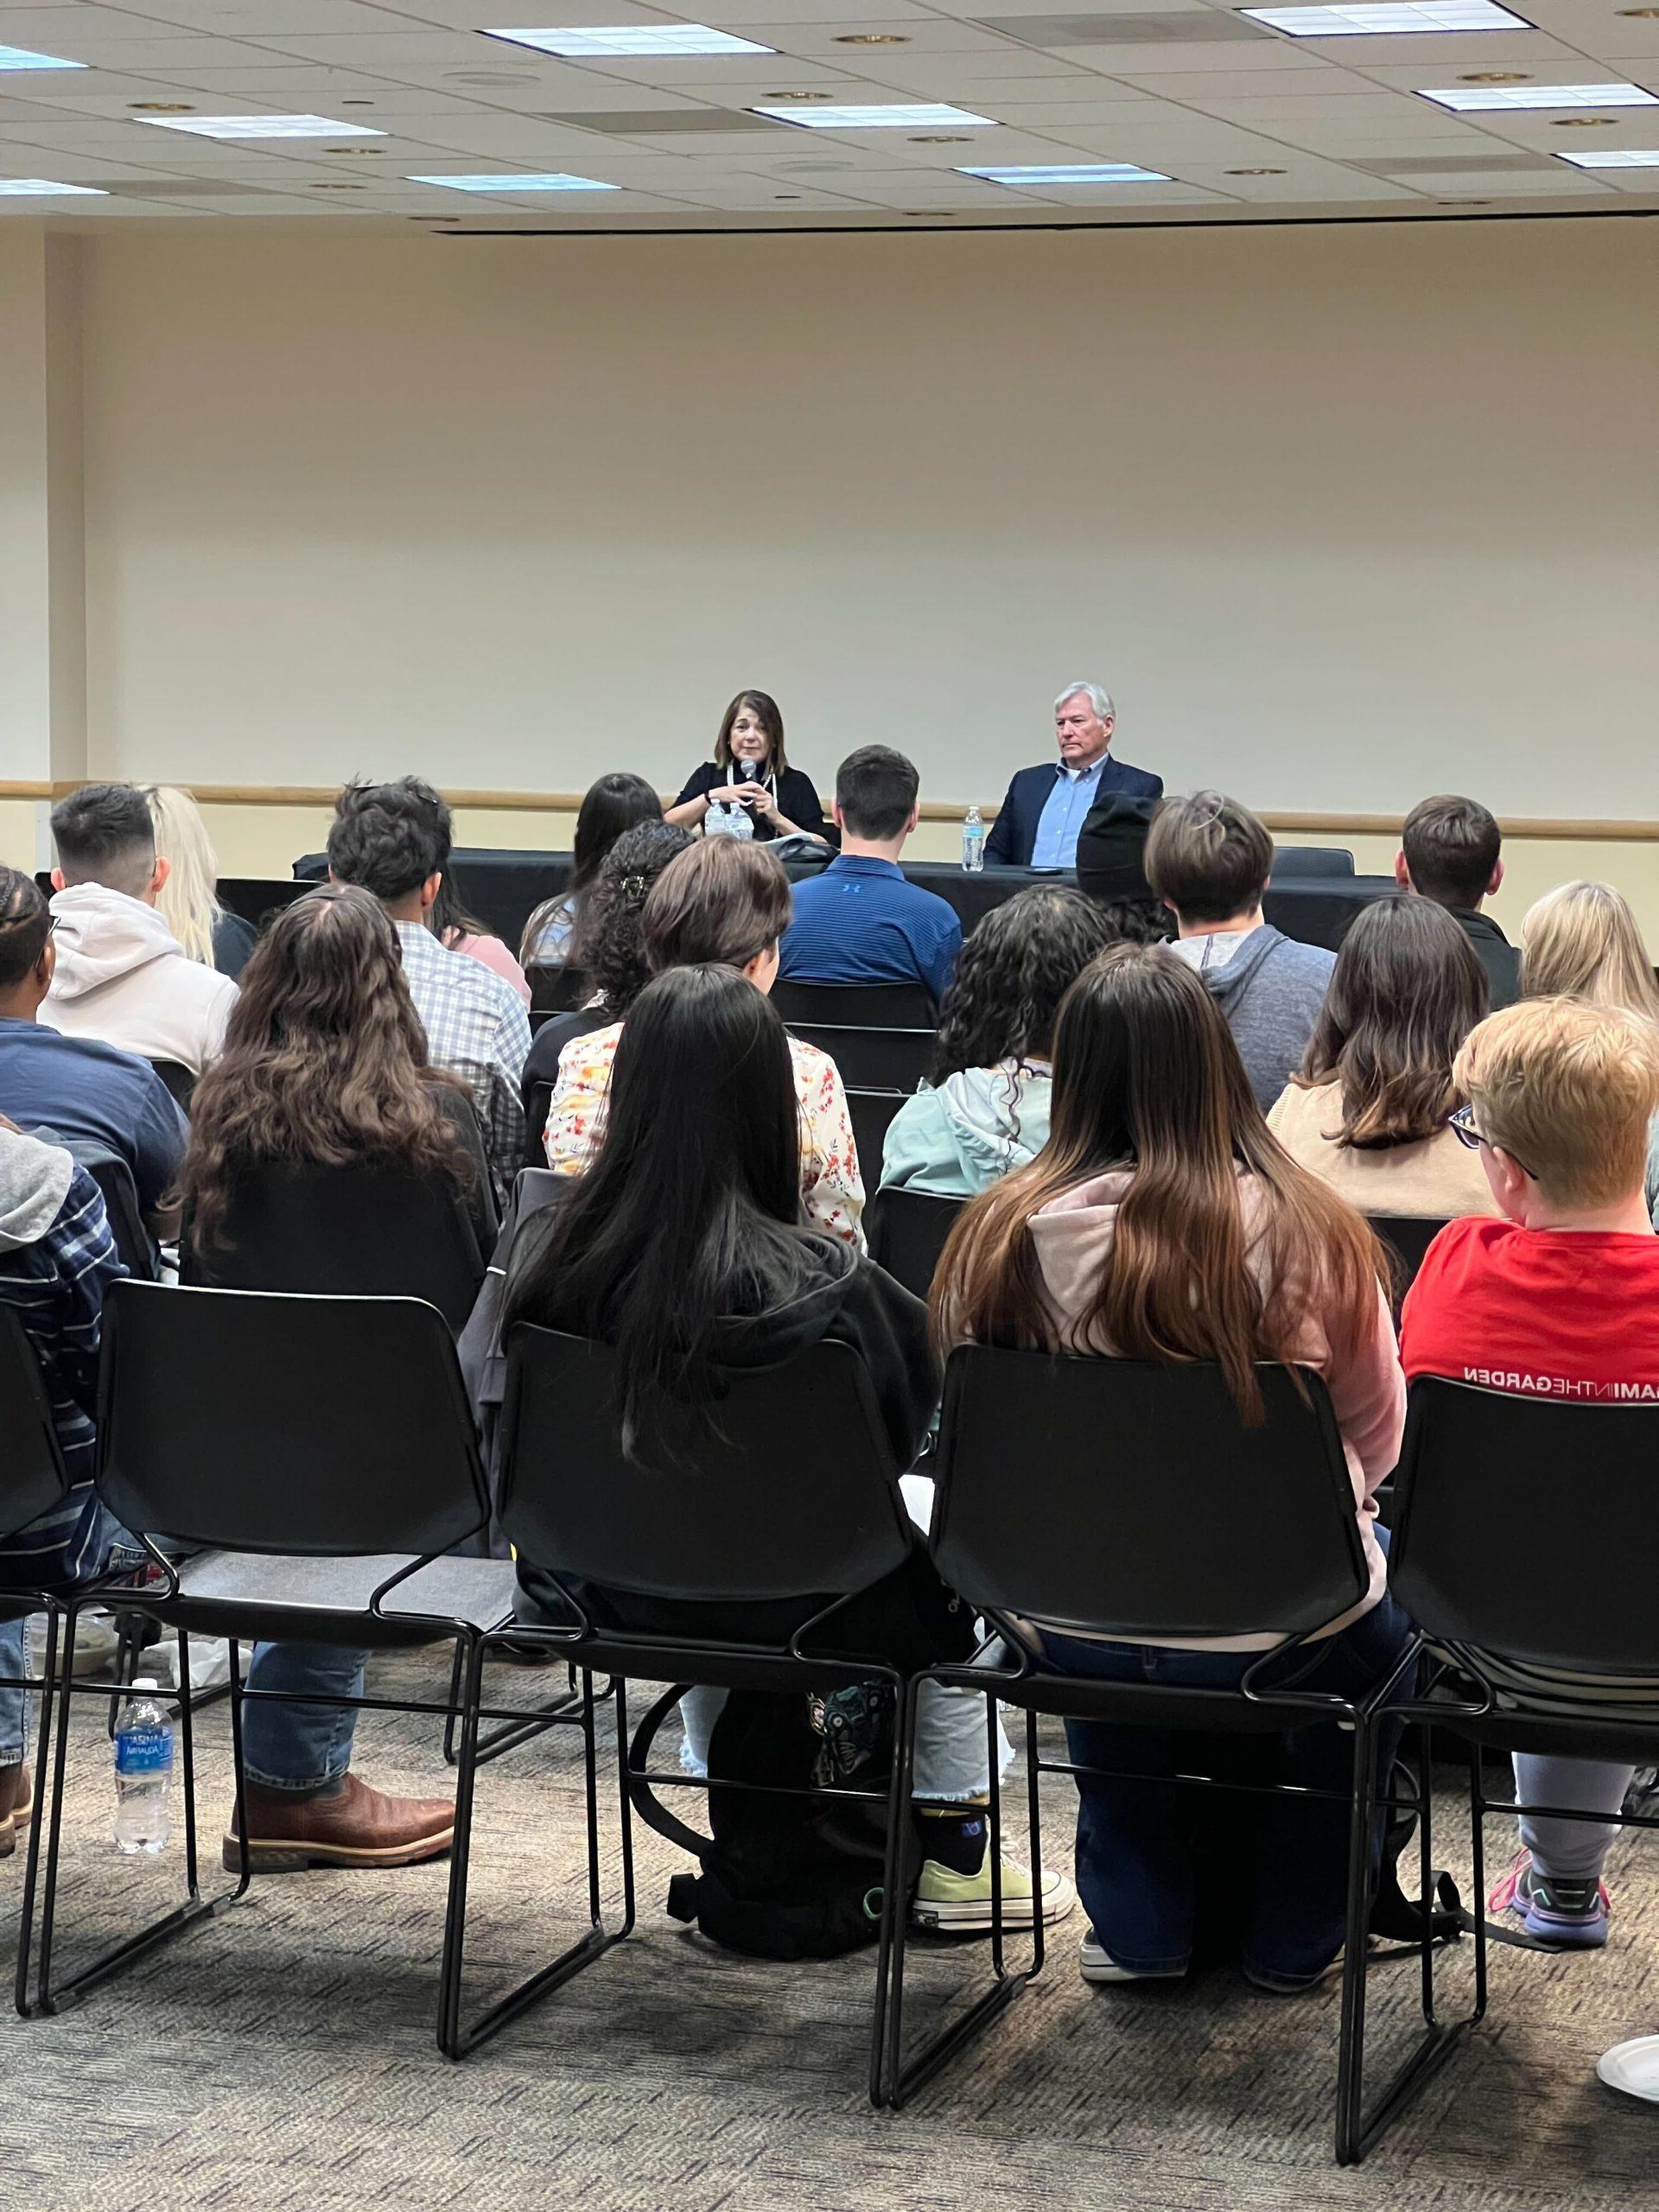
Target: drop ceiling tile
(1073,95)
(1506,184)
(943,76)
(1555,65)
(936,34)
(1133,62)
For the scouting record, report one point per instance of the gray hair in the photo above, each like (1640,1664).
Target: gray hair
(1097,695)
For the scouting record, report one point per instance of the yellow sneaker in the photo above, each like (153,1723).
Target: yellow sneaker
(960,1904)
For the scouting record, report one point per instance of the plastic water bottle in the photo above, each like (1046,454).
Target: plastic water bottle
(973,842)
(144,1775)
(722,821)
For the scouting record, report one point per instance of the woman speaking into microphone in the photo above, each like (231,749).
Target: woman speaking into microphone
(749,789)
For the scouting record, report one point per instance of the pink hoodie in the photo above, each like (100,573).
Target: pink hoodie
(1072,1236)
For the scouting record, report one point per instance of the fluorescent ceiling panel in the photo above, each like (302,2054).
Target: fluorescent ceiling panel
(1072,173)
(19,57)
(1394,18)
(640,42)
(261,126)
(551,181)
(927,115)
(36,186)
(1474,98)
(1617,158)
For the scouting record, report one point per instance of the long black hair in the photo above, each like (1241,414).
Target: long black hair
(615,803)
(690,1211)
(1013,972)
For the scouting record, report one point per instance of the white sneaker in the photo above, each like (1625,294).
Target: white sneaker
(1096,1963)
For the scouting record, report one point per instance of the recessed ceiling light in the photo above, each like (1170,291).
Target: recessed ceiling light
(1642,14)
(796,95)
(1395,18)
(367,104)
(356,153)
(266,126)
(19,57)
(1616,157)
(943,138)
(641,39)
(1069,173)
(552,181)
(1540,96)
(870,38)
(889,116)
(1496,77)
(13,188)
(161,107)
(1584,122)
(1255,172)
(339,188)
(1463,203)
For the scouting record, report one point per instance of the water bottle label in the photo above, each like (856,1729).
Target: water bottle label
(144,1751)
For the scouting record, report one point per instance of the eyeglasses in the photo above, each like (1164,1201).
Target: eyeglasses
(1462,1126)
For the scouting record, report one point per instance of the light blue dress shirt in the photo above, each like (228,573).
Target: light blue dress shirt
(1065,812)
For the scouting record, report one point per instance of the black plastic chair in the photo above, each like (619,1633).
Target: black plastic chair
(881,1036)
(906,1231)
(1481,1472)
(315,1457)
(362,1231)
(1408,1239)
(179,1082)
(871,1113)
(1313,860)
(134,1245)
(558,988)
(797,1493)
(1119,1462)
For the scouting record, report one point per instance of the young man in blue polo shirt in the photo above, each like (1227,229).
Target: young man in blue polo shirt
(861,921)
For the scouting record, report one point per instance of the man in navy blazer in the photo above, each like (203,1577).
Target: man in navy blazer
(1046,807)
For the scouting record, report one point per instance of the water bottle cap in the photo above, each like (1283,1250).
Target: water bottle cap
(145,1682)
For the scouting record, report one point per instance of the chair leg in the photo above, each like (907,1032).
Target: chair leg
(454,2039)
(887,2028)
(42,1758)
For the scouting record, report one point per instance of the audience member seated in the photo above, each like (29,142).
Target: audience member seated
(684,1247)
(1582,941)
(1228,1252)
(1449,852)
(393,840)
(449,921)
(724,903)
(606,948)
(749,789)
(862,922)
(122,975)
(614,804)
(187,900)
(1208,859)
(1560,1297)
(1368,1112)
(1038,822)
(73,1088)
(985,1110)
(324,1065)
(56,1263)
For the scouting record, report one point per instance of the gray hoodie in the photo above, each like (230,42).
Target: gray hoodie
(33,1180)
(1270,990)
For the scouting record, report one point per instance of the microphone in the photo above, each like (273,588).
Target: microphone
(749,772)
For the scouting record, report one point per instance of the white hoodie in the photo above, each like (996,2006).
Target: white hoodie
(124,977)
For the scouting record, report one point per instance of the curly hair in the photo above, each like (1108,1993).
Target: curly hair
(606,944)
(324,1062)
(1014,971)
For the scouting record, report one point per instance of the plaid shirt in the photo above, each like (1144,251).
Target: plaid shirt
(477,1028)
(56,1288)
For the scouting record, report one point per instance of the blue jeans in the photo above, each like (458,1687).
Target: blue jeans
(303,1748)
(1138,1872)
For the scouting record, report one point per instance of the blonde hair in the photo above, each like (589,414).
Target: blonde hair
(186,901)
(1581,940)
(1567,1089)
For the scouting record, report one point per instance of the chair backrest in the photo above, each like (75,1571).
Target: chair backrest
(1530,1526)
(1128,1496)
(256,898)
(796,1494)
(557,987)
(1408,1239)
(179,1082)
(854,1005)
(268,1422)
(135,1247)
(363,1231)
(905,1231)
(1313,860)
(871,1113)
(33,1479)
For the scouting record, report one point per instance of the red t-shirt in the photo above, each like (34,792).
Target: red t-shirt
(1547,1312)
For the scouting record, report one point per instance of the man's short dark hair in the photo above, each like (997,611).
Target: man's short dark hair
(1451,846)
(1208,856)
(25,925)
(388,837)
(105,834)
(875,789)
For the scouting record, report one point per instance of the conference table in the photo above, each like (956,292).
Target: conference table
(503,888)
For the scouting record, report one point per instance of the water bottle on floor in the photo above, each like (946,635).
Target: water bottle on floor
(973,842)
(143,1774)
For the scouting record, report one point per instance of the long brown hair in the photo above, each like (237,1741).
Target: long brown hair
(1406,992)
(324,1061)
(1147,1081)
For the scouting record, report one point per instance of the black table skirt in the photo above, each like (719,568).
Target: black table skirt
(504,888)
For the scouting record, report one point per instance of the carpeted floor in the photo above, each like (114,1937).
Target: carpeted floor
(283,2055)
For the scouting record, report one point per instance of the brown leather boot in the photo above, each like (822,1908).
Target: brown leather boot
(355,1825)
(16,1805)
